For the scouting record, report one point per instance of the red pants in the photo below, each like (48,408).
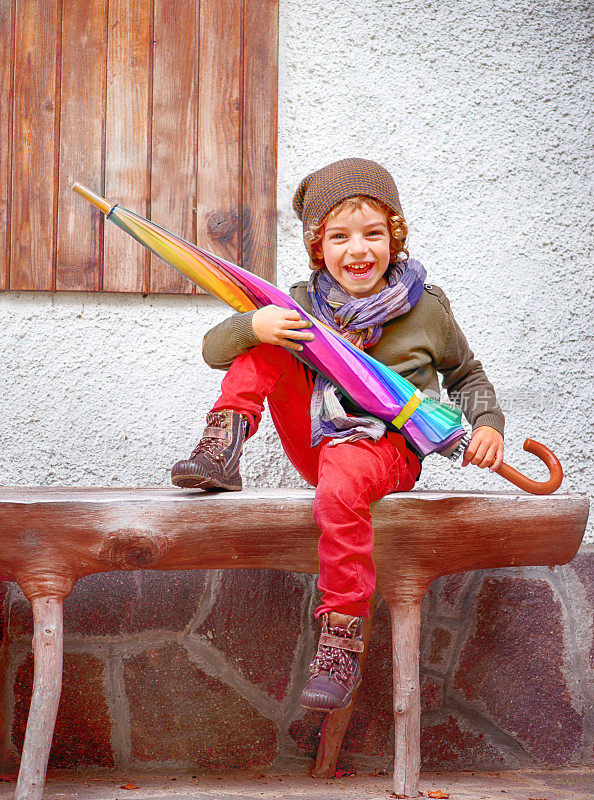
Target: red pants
(348,476)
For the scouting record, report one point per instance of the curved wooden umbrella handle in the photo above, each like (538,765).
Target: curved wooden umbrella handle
(535,487)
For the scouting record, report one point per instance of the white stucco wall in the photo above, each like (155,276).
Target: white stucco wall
(483,112)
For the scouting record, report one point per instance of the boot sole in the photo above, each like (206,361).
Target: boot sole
(203,482)
(320,701)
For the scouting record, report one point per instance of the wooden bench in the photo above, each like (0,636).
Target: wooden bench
(49,538)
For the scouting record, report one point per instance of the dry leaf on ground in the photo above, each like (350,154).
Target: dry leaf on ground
(129,786)
(438,793)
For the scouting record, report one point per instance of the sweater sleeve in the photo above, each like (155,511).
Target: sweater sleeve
(234,336)
(230,338)
(465,380)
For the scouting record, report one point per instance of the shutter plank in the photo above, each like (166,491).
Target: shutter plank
(6,42)
(32,203)
(80,225)
(219,130)
(125,262)
(173,160)
(260,92)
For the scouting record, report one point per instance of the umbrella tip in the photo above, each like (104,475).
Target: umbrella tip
(100,202)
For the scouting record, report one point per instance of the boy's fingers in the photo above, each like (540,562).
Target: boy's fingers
(473,454)
(300,335)
(468,454)
(489,457)
(298,323)
(498,460)
(291,345)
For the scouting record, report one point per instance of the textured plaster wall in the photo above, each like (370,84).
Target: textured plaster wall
(483,112)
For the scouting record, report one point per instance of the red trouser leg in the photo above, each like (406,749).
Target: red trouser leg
(351,476)
(348,476)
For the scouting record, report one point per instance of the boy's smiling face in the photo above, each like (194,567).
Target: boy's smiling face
(356,250)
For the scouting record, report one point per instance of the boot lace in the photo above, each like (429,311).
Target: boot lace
(210,444)
(336,662)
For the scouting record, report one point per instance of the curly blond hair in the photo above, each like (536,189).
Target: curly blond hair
(396,225)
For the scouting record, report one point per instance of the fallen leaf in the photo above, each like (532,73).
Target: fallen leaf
(340,773)
(129,786)
(438,793)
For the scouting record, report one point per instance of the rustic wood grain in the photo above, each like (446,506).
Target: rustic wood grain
(82,116)
(33,144)
(219,128)
(6,54)
(406,694)
(48,647)
(259,152)
(169,108)
(125,262)
(174,116)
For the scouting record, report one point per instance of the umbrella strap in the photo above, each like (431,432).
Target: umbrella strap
(408,409)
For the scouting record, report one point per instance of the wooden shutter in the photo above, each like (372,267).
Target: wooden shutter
(168,107)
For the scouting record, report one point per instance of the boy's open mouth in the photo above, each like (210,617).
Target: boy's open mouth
(359,270)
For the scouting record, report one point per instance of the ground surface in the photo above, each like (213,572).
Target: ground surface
(577,784)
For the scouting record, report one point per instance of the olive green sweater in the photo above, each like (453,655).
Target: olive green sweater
(417,345)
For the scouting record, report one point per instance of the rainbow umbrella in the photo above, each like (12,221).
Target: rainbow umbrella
(428,425)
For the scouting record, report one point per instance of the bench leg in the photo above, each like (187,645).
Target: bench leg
(47,685)
(336,722)
(406,629)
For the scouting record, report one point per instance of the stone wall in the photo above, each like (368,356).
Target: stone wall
(203,670)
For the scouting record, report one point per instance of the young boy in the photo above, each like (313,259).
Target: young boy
(364,285)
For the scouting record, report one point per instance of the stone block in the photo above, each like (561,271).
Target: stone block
(453,744)
(118,603)
(83,726)
(431,694)
(449,593)
(181,715)
(256,623)
(438,647)
(305,731)
(511,668)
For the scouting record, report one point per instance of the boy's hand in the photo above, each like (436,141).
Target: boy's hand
(275,325)
(485,448)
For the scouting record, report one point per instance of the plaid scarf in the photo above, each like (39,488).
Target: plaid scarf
(361,321)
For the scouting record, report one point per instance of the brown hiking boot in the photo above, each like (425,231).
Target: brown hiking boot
(214,462)
(335,672)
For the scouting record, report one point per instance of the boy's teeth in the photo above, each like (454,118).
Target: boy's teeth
(358,268)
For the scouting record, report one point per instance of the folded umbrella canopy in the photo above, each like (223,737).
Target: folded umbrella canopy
(428,425)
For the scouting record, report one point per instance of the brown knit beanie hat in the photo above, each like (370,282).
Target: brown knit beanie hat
(322,190)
